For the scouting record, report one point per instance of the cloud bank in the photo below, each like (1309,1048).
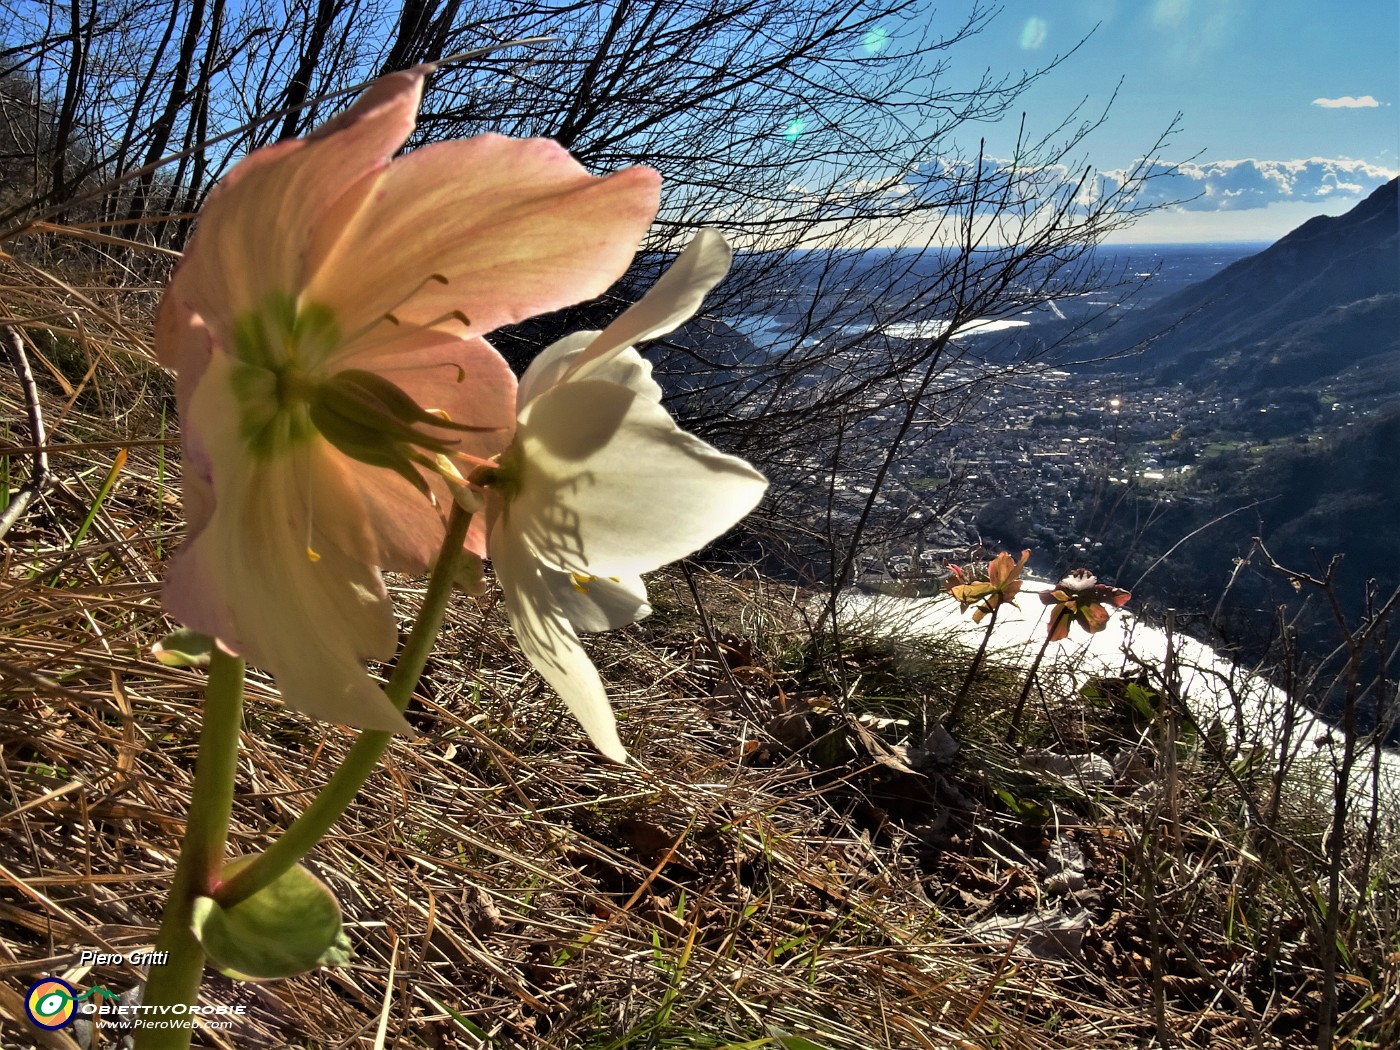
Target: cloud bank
(1216,186)
(1347,102)
(1239,185)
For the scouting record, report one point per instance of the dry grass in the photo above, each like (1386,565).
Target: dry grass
(504,886)
(501,883)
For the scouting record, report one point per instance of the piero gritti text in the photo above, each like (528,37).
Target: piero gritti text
(88,957)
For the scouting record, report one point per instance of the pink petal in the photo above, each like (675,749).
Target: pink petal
(469,381)
(195,349)
(180,334)
(463,377)
(517,227)
(254,230)
(246,578)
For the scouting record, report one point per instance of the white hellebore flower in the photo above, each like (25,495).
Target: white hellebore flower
(600,485)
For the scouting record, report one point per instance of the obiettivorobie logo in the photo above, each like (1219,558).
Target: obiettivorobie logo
(52,1002)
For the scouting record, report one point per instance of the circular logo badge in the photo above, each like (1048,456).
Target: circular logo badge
(49,1003)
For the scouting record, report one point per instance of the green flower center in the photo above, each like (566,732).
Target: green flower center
(278,351)
(287,395)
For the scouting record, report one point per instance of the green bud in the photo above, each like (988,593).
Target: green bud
(284,929)
(184,648)
(371,420)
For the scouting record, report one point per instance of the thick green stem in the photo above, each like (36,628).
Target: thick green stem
(362,758)
(176,980)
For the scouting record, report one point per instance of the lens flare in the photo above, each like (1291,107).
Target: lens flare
(794,129)
(876,40)
(1033,33)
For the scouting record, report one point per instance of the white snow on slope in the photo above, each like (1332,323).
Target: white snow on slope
(1210,683)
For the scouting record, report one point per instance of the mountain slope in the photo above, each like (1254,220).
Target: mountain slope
(1263,302)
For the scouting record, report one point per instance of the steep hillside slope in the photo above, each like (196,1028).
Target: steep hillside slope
(1292,297)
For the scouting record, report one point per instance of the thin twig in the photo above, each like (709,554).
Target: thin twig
(147,169)
(39,478)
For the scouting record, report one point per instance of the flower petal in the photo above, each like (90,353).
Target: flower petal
(554,363)
(462,377)
(255,227)
(1093,617)
(181,337)
(196,348)
(609,354)
(549,642)
(247,579)
(515,227)
(610,486)
(598,603)
(1060,618)
(668,304)
(551,365)
(472,384)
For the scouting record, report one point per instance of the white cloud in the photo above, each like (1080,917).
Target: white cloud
(1216,186)
(1170,14)
(1347,102)
(1176,226)
(1248,199)
(1241,185)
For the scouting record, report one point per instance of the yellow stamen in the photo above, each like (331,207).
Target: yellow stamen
(392,318)
(311,554)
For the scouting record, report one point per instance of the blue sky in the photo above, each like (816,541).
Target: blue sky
(1288,107)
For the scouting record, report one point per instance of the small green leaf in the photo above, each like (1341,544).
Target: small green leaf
(1145,700)
(184,648)
(282,930)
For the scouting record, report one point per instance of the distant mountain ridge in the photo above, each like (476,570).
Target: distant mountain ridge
(1309,306)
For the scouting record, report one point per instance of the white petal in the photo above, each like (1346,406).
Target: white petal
(630,369)
(554,364)
(598,603)
(609,355)
(549,642)
(669,303)
(610,486)
(551,365)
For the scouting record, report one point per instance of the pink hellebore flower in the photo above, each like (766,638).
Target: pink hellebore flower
(1002,584)
(600,485)
(326,323)
(1079,598)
